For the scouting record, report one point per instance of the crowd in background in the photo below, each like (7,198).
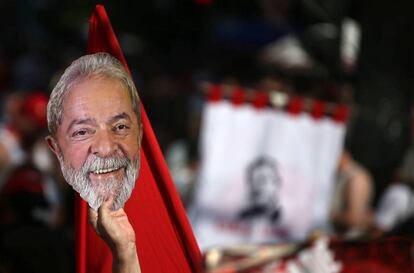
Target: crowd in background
(339,51)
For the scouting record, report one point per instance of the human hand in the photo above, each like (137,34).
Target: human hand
(116,230)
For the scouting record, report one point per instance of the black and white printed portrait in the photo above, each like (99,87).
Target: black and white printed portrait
(263,183)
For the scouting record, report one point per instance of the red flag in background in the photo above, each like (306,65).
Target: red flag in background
(165,240)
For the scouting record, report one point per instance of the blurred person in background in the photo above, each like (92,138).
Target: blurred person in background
(31,207)
(395,212)
(351,213)
(28,243)
(11,152)
(22,148)
(25,118)
(183,165)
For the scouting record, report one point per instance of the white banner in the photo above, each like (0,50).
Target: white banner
(266,175)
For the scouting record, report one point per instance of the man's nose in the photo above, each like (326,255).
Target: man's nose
(104,144)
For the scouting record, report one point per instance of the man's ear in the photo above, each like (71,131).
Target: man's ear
(53,145)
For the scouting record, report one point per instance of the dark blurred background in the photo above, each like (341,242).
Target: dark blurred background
(343,51)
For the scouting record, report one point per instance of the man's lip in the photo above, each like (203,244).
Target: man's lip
(107,174)
(105,171)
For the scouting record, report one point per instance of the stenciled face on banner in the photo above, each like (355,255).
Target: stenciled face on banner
(263,183)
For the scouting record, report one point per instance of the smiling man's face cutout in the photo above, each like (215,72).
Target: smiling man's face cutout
(98,141)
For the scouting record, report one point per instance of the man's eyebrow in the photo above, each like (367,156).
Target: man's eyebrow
(117,117)
(80,122)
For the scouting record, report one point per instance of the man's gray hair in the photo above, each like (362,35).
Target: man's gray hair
(99,65)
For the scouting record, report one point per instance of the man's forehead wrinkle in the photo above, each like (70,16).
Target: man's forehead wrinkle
(119,116)
(72,84)
(92,121)
(74,106)
(78,121)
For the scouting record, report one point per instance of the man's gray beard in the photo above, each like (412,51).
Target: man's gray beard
(96,193)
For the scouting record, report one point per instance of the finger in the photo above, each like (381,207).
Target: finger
(107,204)
(104,213)
(93,217)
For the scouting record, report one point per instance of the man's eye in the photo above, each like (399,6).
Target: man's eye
(121,127)
(79,133)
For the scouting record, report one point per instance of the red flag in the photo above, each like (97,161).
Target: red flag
(165,240)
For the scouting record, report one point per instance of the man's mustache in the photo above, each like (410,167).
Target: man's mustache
(95,163)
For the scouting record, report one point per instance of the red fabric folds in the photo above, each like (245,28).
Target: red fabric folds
(165,241)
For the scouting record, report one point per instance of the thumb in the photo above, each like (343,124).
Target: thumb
(103,216)
(107,204)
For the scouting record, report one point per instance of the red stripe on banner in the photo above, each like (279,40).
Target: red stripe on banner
(261,99)
(295,105)
(165,241)
(238,96)
(318,109)
(341,113)
(215,93)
